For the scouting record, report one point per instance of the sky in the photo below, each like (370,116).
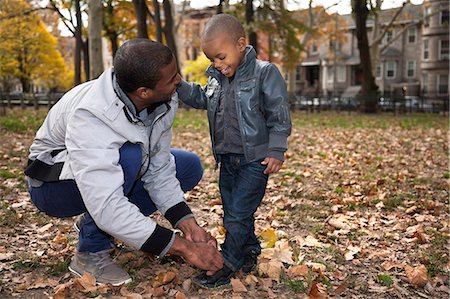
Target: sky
(343,6)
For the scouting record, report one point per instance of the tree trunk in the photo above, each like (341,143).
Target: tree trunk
(108,26)
(157,20)
(249,15)
(78,44)
(86,59)
(220,7)
(369,90)
(95,38)
(168,29)
(141,10)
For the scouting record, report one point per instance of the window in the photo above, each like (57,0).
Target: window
(443,49)
(390,69)
(442,84)
(389,35)
(426,50)
(314,48)
(412,32)
(444,17)
(379,71)
(298,70)
(425,83)
(411,69)
(428,12)
(341,73)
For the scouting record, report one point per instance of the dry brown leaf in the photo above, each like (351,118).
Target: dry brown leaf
(180,295)
(86,283)
(271,269)
(317,291)
(417,276)
(61,290)
(297,271)
(388,265)
(340,289)
(283,252)
(351,252)
(238,286)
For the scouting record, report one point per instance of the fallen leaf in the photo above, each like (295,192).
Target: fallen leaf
(417,276)
(238,286)
(271,269)
(297,271)
(269,238)
(180,295)
(317,291)
(44,228)
(351,251)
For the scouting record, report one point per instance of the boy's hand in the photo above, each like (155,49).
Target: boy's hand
(273,165)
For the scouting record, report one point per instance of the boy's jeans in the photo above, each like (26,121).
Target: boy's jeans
(242,187)
(62,199)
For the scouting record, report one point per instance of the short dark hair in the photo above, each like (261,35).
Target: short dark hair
(138,63)
(223,24)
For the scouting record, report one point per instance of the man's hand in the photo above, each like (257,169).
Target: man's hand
(201,255)
(193,232)
(273,165)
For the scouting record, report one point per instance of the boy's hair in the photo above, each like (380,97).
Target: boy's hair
(138,63)
(223,24)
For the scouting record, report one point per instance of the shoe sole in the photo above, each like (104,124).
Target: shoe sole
(127,281)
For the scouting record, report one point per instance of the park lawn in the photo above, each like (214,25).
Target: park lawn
(359,209)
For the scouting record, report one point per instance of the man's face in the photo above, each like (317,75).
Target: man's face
(167,85)
(225,55)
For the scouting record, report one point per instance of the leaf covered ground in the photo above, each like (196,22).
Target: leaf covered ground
(359,210)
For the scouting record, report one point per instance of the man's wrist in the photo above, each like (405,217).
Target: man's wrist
(188,225)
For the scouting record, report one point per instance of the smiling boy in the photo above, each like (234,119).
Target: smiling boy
(249,122)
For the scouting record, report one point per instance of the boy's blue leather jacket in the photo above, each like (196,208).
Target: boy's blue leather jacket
(261,104)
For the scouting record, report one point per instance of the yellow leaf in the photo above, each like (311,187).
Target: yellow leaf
(269,237)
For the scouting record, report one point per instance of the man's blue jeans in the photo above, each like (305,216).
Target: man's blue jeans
(242,187)
(62,199)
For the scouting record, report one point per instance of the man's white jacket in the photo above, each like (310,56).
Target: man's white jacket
(86,129)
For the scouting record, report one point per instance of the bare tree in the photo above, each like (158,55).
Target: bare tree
(369,90)
(141,10)
(169,29)
(249,15)
(157,20)
(95,38)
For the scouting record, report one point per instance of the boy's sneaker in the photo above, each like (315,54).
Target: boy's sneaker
(101,266)
(79,220)
(250,261)
(218,279)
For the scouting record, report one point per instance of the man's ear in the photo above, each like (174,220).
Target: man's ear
(144,92)
(242,44)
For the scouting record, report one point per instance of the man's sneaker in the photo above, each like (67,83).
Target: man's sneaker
(79,220)
(101,266)
(218,279)
(250,261)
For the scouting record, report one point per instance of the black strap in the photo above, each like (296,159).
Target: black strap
(42,171)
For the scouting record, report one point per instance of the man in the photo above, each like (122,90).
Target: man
(104,150)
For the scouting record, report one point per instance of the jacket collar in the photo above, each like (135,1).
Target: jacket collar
(123,97)
(243,68)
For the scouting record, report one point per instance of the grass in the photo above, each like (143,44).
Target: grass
(22,120)
(385,280)
(297,285)
(376,121)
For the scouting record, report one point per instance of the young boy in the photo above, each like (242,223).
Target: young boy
(249,122)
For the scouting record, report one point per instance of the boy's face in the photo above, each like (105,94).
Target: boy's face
(225,54)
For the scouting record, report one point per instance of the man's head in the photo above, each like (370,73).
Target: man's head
(223,42)
(146,70)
